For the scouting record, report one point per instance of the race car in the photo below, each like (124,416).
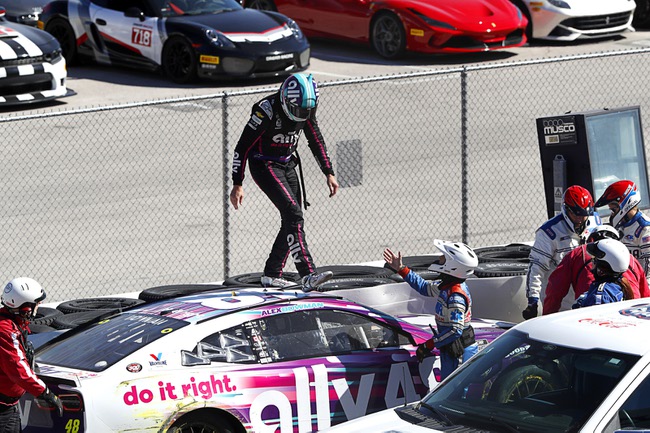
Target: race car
(393,27)
(583,371)
(186,39)
(234,360)
(23,11)
(568,20)
(32,69)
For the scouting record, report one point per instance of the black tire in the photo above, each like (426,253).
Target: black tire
(387,36)
(353,283)
(174,291)
(98,304)
(179,61)
(356,271)
(45,316)
(202,421)
(427,275)
(72,320)
(253,279)
(263,5)
(641,18)
(62,32)
(500,269)
(38,329)
(504,254)
(521,382)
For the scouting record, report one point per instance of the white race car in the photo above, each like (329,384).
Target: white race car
(568,20)
(579,371)
(32,68)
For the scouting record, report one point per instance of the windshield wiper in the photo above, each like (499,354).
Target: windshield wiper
(445,418)
(499,422)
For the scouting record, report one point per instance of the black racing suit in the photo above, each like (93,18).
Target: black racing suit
(268,143)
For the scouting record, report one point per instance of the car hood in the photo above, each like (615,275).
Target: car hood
(465,11)
(244,22)
(385,421)
(9,30)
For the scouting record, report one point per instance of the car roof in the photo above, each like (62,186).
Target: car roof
(619,326)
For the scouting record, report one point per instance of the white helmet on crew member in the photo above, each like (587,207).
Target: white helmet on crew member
(459,259)
(21,296)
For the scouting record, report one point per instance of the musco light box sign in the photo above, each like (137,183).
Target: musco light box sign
(559,130)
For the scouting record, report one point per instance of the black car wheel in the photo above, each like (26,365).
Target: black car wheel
(641,18)
(263,5)
(201,422)
(521,382)
(388,36)
(62,32)
(179,60)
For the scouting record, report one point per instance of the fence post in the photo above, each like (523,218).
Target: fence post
(226,182)
(464,156)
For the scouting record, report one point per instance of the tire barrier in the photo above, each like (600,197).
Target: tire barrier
(500,269)
(356,271)
(172,291)
(506,253)
(73,320)
(44,317)
(354,283)
(253,279)
(97,304)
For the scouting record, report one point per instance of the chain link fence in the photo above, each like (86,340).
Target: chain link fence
(117,199)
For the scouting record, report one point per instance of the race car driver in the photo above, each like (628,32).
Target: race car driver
(268,143)
(555,238)
(20,300)
(455,335)
(575,270)
(623,200)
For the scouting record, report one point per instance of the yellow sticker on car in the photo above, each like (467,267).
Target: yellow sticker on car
(417,32)
(213,60)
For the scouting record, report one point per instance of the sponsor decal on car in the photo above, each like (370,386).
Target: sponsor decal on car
(212,60)
(134,367)
(141,36)
(417,32)
(279,57)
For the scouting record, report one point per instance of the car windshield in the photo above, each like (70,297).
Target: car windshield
(104,343)
(528,386)
(171,8)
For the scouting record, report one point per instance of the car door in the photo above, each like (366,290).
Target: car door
(126,38)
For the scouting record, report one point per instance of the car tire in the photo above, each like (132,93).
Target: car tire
(254,279)
(356,271)
(387,36)
(641,18)
(263,5)
(500,269)
(353,283)
(508,253)
(153,294)
(521,382)
(45,316)
(97,304)
(62,32)
(179,61)
(73,320)
(200,421)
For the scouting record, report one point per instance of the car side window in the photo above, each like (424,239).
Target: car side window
(230,345)
(635,412)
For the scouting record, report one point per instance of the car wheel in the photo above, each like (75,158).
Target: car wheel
(642,14)
(174,291)
(263,5)
(97,304)
(387,36)
(45,316)
(179,60)
(203,422)
(62,32)
(520,383)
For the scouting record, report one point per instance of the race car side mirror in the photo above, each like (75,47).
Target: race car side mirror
(3,11)
(134,12)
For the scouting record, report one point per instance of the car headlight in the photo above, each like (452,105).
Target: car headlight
(432,22)
(295,29)
(54,56)
(219,39)
(560,4)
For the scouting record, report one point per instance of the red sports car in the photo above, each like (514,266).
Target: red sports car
(395,26)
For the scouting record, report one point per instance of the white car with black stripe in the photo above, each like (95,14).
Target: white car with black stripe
(32,68)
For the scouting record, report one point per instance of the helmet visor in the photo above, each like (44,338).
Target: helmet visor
(300,112)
